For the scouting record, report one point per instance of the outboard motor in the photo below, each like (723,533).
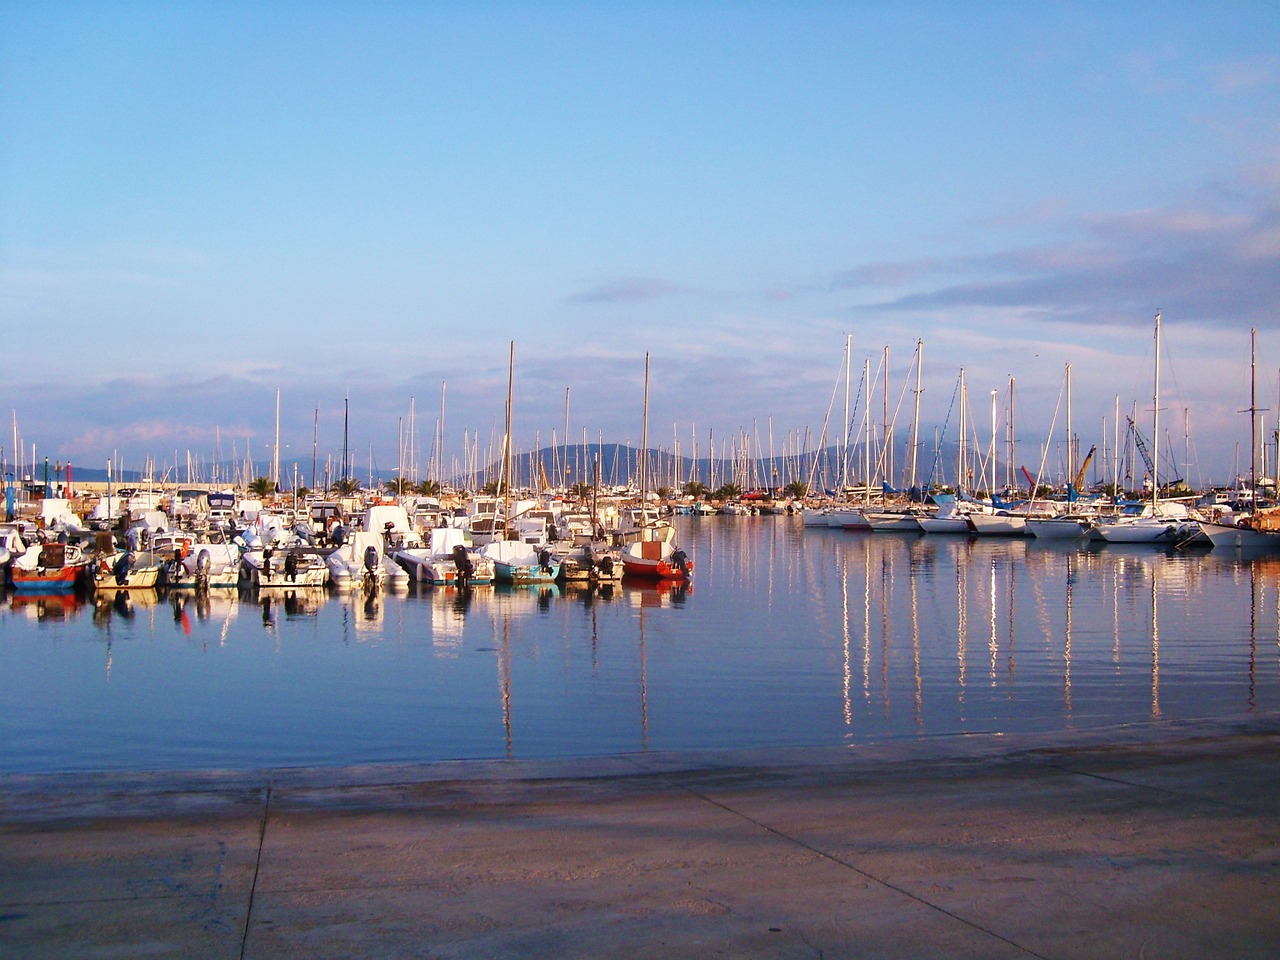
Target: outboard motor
(544,560)
(338,535)
(203,564)
(122,568)
(606,565)
(291,567)
(371,558)
(462,563)
(266,562)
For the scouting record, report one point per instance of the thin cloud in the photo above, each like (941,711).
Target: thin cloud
(1219,266)
(625,290)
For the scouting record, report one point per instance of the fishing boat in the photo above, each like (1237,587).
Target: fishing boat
(656,558)
(50,568)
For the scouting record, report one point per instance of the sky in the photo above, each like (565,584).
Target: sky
(204,203)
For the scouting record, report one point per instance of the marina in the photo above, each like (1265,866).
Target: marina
(787,636)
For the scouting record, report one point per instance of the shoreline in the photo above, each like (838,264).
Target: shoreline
(1160,840)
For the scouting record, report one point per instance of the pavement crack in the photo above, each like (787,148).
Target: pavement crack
(257,866)
(817,851)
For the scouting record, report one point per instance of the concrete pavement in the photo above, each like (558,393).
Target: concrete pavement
(1156,843)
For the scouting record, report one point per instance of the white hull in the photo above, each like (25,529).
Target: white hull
(997,525)
(1225,536)
(893,522)
(1058,528)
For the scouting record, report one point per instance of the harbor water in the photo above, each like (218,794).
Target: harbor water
(787,637)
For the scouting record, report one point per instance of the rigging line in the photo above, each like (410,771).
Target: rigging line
(955,392)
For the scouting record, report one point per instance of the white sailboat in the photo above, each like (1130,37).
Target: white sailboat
(1161,522)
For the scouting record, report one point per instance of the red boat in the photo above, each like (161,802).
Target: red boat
(656,559)
(54,568)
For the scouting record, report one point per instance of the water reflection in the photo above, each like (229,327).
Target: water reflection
(788,636)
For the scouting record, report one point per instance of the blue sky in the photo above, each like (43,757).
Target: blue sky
(202,203)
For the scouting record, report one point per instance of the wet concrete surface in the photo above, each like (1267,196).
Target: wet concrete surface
(1155,843)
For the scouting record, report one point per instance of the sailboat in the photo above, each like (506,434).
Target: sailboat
(514,560)
(1260,530)
(1159,523)
(653,554)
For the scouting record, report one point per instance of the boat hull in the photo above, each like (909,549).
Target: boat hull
(1226,536)
(61,580)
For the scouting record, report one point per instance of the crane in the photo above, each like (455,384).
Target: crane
(1146,454)
(1085,466)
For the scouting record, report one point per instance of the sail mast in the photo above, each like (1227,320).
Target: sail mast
(644,441)
(506,443)
(1155,426)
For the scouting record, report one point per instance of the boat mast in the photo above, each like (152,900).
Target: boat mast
(506,444)
(960,461)
(438,473)
(1253,416)
(275,458)
(866,431)
(844,447)
(1071,438)
(1155,426)
(915,423)
(644,442)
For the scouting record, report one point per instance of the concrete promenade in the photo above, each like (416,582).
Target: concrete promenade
(1151,843)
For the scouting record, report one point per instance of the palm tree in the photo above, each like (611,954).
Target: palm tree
(663,492)
(398,485)
(696,489)
(730,491)
(345,487)
(429,488)
(581,490)
(796,489)
(262,487)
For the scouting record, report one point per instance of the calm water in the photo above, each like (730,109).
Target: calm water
(788,637)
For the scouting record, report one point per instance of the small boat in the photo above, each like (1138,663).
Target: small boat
(12,546)
(592,561)
(522,563)
(128,570)
(270,567)
(659,559)
(50,568)
(446,560)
